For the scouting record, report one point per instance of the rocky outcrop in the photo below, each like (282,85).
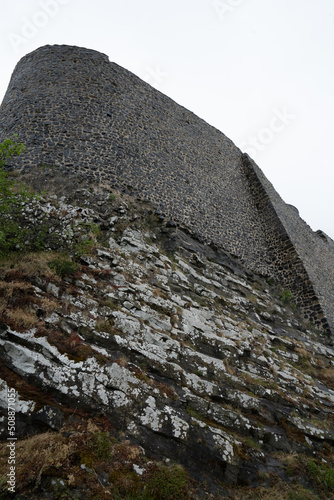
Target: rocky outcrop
(173,344)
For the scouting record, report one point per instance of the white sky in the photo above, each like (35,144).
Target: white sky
(261,71)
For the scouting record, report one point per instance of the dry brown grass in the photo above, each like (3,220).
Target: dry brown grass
(16,305)
(54,454)
(28,265)
(281,491)
(49,304)
(302,351)
(3,305)
(122,361)
(19,301)
(327,376)
(290,460)
(35,455)
(21,318)
(248,378)
(105,326)
(157,292)
(230,370)
(10,289)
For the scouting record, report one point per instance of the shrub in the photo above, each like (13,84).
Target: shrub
(102,445)
(85,247)
(97,448)
(168,483)
(286,296)
(322,475)
(63,266)
(9,148)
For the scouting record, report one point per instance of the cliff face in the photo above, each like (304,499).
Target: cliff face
(150,352)
(74,109)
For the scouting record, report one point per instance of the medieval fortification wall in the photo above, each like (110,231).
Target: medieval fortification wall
(74,109)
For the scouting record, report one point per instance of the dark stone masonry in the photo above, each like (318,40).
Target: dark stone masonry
(74,109)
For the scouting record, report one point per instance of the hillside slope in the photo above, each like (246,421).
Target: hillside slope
(149,363)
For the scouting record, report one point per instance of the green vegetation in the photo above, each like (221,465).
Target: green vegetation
(322,475)
(194,413)
(13,197)
(63,266)
(97,448)
(300,493)
(85,247)
(88,242)
(159,482)
(8,149)
(286,296)
(109,303)
(91,228)
(252,444)
(102,445)
(168,483)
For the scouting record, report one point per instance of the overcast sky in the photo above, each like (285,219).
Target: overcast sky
(261,71)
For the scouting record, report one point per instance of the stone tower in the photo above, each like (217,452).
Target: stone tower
(74,109)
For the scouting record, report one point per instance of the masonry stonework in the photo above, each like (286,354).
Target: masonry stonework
(74,109)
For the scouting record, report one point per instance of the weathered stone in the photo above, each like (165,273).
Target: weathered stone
(51,417)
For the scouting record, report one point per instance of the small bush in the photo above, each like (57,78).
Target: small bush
(127,484)
(103,445)
(168,483)
(322,475)
(63,266)
(97,448)
(9,148)
(88,240)
(286,296)
(85,247)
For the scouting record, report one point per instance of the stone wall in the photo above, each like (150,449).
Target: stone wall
(74,109)
(283,230)
(297,248)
